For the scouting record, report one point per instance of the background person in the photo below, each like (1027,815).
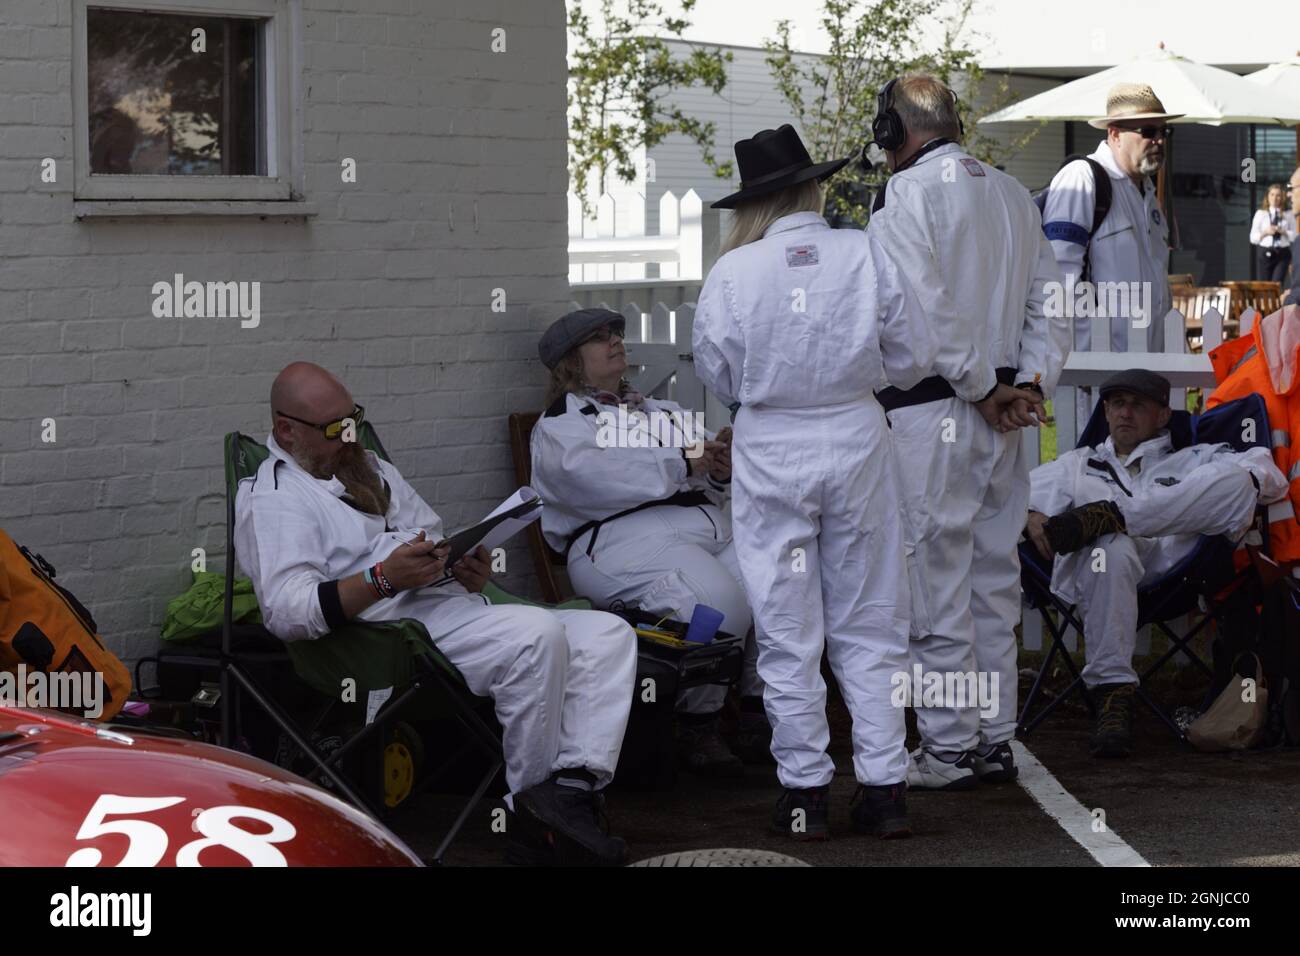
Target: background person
(1272,232)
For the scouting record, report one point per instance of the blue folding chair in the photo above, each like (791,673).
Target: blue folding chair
(1207,573)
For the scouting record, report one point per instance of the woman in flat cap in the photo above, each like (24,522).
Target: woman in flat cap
(636,498)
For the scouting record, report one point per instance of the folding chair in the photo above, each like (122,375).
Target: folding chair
(244,648)
(1207,574)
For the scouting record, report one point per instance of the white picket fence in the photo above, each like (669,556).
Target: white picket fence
(613,246)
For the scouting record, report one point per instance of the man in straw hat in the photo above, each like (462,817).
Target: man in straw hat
(1131,244)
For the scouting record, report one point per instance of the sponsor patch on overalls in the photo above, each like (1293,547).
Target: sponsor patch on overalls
(973,166)
(801,255)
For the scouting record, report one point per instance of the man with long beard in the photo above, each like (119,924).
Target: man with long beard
(329,532)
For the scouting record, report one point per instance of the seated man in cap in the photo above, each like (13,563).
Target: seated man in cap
(1121,514)
(329,532)
(638,502)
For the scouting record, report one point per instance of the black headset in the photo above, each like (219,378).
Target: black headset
(887,129)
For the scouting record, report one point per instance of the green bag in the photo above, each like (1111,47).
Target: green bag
(198,610)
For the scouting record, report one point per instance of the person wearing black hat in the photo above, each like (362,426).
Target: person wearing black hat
(798,324)
(636,493)
(1133,507)
(969,239)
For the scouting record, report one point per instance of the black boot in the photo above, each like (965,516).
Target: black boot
(803,814)
(701,749)
(567,819)
(881,811)
(1071,530)
(1113,736)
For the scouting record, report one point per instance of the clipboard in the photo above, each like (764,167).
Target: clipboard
(463,542)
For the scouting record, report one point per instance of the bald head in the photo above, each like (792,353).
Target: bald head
(307,391)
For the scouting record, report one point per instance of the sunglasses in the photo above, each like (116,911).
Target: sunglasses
(332,430)
(1149,132)
(602,334)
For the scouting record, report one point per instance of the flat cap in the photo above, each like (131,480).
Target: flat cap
(572,329)
(1140,382)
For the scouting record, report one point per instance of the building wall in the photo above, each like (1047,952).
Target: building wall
(461,190)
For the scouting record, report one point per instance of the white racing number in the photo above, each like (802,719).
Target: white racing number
(148,842)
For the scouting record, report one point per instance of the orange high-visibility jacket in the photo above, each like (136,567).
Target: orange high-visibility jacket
(1268,362)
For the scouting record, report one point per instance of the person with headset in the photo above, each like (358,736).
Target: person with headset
(969,239)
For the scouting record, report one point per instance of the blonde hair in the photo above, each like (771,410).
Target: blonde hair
(925,105)
(566,377)
(1264,202)
(751,218)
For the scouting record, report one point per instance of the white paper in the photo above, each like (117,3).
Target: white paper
(374,701)
(505,530)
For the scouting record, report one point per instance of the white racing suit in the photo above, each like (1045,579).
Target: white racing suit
(1168,499)
(562,681)
(665,558)
(801,327)
(969,239)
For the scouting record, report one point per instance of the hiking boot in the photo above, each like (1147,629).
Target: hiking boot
(803,814)
(881,811)
(994,763)
(701,749)
(752,740)
(1074,529)
(926,771)
(1113,736)
(568,820)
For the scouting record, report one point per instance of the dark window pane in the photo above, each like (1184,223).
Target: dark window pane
(158,107)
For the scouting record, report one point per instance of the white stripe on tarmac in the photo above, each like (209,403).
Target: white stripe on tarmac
(1074,818)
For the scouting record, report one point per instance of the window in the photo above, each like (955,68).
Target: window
(176,101)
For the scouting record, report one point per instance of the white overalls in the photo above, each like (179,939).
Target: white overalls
(561,681)
(1168,498)
(664,558)
(801,327)
(969,239)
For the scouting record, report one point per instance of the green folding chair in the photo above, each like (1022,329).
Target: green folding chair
(396,655)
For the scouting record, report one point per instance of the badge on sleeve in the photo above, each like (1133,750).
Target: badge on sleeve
(801,255)
(1155,216)
(973,166)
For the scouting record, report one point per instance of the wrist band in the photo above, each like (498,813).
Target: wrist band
(385,586)
(370,579)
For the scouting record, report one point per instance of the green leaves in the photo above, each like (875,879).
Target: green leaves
(620,78)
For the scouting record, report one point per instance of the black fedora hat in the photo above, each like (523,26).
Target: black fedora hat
(773,159)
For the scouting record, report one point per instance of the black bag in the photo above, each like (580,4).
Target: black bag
(1103,194)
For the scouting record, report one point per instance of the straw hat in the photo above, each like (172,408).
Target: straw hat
(1132,101)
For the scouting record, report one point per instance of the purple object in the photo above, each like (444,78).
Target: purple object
(136,708)
(704,624)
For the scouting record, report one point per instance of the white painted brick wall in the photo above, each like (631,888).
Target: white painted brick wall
(389,287)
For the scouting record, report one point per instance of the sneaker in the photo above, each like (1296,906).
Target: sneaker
(803,814)
(701,749)
(881,811)
(925,771)
(1113,736)
(752,740)
(568,819)
(994,763)
(1074,529)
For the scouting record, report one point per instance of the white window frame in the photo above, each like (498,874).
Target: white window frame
(280,103)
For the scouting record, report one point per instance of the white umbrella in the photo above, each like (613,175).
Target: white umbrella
(1206,94)
(1283,77)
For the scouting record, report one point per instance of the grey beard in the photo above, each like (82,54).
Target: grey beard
(1148,167)
(361,482)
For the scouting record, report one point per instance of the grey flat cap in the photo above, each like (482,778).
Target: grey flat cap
(572,329)
(1140,382)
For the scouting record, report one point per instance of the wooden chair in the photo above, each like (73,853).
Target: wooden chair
(1264,297)
(1193,301)
(548,563)
(1180,280)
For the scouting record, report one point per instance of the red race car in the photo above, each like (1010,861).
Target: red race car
(76,793)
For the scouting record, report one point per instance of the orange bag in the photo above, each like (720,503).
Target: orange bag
(49,651)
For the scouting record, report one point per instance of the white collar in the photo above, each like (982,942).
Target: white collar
(796,220)
(1157,446)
